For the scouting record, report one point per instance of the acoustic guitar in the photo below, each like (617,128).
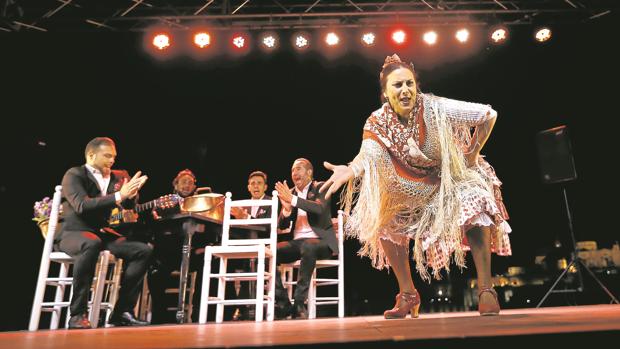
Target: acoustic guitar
(121,216)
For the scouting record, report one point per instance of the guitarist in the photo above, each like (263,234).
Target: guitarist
(168,242)
(90,192)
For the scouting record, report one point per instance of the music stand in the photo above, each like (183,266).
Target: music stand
(557,166)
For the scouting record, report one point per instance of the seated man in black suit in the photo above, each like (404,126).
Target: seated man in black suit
(257,185)
(90,192)
(308,214)
(168,243)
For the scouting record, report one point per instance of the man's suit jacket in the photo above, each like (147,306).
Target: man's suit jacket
(84,208)
(318,210)
(263,211)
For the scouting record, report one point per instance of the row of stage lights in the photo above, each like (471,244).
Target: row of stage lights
(300,41)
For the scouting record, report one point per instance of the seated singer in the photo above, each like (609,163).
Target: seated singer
(308,214)
(257,185)
(90,192)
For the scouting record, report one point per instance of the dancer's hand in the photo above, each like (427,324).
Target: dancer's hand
(341,175)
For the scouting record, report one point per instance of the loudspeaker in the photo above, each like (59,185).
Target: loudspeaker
(555,155)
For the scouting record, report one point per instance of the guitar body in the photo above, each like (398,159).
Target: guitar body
(121,216)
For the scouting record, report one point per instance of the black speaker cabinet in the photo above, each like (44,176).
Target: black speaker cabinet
(555,155)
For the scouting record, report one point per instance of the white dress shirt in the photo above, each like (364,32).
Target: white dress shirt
(254,211)
(102,182)
(303,230)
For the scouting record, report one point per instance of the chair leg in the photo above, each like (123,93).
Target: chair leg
(312,297)
(190,298)
(59,296)
(271,293)
(114,288)
(260,285)
(288,281)
(141,309)
(68,315)
(39,294)
(145,302)
(221,290)
(204,293)
(282,274)
(341,290)
(98,288)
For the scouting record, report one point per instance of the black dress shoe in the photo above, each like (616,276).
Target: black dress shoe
(126,319)
(79,321)
(241,313)
(300,311)
(282,311)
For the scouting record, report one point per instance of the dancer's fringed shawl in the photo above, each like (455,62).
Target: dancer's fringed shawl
(392,192)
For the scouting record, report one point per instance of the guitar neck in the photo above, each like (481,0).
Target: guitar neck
(152,204)
(146,206)
(117,214)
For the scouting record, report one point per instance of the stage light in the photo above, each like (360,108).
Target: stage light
(202,39)
(543,34)
(430,38)
(301,41)
(239,41)
(161,41)
(368,38)
(332,39)
(399,37)
(269,41)
(462,35)
(499,35)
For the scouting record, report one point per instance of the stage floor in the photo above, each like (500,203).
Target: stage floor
(430,329)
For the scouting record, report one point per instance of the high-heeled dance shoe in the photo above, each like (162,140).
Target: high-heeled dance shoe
(405,303)
(488,309)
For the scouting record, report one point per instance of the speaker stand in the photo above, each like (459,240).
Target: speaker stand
(576,262)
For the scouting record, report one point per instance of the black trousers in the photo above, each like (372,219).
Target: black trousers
(307,251)
(85,246)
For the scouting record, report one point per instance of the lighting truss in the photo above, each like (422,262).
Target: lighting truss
(140,15)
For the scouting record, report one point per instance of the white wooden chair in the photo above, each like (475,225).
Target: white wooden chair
(260,249)
(288,271)
(103,282)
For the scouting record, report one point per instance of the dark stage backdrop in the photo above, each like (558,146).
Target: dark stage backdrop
(228,115)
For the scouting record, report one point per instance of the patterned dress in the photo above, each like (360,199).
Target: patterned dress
(412,182)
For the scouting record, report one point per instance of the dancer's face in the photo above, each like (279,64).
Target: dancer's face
(400,91)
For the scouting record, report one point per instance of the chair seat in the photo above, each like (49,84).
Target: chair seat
(237,252)
(215,300)
(320,263)
(60,256)
(63,257)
